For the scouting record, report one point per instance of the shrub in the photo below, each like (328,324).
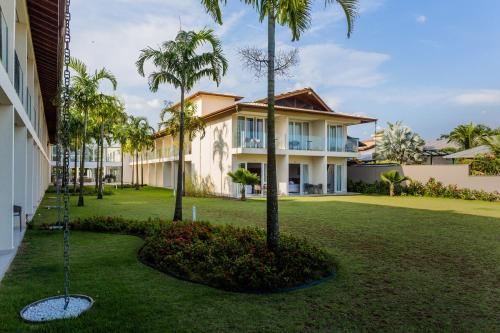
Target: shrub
(202,189)
(432,188)
(87,190)
(117,224)
(233,258)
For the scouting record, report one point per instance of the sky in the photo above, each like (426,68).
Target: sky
(430,64)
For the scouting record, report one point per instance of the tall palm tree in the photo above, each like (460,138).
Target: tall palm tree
(177,62)
(296,15)
(120,135)
(468,136)
(75,129)
(193,126)
(139,130)
(84,88)
(109,112)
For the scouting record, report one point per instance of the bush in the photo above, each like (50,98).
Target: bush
(432,188)
(87,190)
(233,258)
(118,224)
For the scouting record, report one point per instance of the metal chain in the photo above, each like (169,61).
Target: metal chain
(65,144)
(58,167)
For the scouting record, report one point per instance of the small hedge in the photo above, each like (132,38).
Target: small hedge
(432,188)
(87,190)
(232,258)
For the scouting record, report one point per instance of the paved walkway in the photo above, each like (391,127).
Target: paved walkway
(6,257)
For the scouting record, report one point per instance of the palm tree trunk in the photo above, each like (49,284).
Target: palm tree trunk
(272,186)
(179,189)
(82,160)
(391,189)
(96,186)
(133,168)
(101,170)
(75,165)
(121,171)
(142,170)
(136,169)
(243,190)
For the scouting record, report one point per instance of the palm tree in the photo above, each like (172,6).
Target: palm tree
(392,178)
(84,89)
(120,135)
(139,132)
(109,112)
(468,136)
(178,63)
(193,126)
(493,142)
(75,129)
(296,15)
(400,144)
(244,177)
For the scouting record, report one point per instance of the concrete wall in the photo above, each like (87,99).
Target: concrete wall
(447,174)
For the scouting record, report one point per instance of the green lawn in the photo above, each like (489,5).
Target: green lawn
(405,264)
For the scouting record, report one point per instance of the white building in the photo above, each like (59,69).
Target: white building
(30,70)
(112,162)
(312,145)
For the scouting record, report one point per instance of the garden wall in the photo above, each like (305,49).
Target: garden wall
(447,174)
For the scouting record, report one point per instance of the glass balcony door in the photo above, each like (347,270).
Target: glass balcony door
(298,133)
(251,132)
(335,138)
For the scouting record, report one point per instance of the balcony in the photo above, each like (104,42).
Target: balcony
(309,142)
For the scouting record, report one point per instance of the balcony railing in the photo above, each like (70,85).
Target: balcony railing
(310,142)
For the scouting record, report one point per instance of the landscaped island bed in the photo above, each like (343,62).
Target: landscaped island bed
(404,264)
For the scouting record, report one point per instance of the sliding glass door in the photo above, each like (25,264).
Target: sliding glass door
(298,135)
(250,132)
(335,138)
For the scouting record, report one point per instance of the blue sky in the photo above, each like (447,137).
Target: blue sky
(432,64)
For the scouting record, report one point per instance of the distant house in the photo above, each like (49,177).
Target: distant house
(469,153)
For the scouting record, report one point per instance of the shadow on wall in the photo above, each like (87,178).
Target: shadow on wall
(220,150)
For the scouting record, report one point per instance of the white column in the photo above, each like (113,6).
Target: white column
(6,177)
(20,167)
(29,177)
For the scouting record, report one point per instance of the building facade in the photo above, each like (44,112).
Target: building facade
(312,145)
(29,77)
(112,162)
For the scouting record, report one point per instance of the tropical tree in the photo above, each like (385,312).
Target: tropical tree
(296,15)
(493,142)
(468,136)
(179,63)
(146,144)
(120,135)
(392,178)
(75,126)
(84,89)
(109,112)
(193,126)
(400,144)
(139,130)
(244,177)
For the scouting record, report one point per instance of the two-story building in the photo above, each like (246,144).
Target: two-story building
(312,145)
(30,71)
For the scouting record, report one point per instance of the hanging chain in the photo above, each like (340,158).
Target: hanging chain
(65,144)
(58,167)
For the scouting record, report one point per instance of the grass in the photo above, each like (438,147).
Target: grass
(406,264)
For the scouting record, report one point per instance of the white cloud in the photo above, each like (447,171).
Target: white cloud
(421,19)
(141,106)
(331,65)
(479,97)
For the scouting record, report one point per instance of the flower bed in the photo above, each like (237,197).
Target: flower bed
(233,258)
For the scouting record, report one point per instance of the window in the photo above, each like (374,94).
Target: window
(18,77)
(250,132)
(4,42)
(335,138)
(339,178)
(298,133)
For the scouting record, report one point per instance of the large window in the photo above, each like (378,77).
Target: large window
(4,42)
(298,134)
(335,138)
(18,77)
(250,132)
(338,174)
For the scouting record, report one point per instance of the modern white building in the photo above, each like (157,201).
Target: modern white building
(112,162)
(312,145)
(30,68)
